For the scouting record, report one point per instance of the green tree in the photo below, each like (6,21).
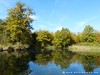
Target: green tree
(98,37)
(79,37)
(62,38)
(88,29)
(19,23)
(44,38)
(3,38)
(88,34)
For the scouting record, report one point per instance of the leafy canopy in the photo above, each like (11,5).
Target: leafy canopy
(44,38)
(62,38)
(19,23)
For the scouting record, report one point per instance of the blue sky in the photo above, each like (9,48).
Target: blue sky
(52,15)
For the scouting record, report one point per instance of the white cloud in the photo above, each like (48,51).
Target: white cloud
(46,23)
(2,17)
(49,26)
(81,23)
(34,17)
(42,26)
(59,28)
(84,22)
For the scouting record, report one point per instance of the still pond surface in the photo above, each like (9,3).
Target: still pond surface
(49,63)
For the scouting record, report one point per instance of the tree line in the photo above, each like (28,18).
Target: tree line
(16,30)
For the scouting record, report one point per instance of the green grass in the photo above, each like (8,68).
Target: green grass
(86,49)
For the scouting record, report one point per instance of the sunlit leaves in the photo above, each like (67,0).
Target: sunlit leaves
(62,38)
(88,35)
(44,38)
(18,23)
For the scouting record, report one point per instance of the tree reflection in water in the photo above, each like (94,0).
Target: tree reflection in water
(17,63)
(12,64)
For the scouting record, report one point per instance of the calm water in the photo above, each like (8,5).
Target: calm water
(49,63)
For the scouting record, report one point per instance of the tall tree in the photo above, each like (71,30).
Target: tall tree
(63,38)
(88,34)
(19,23)
(44,38)
(2,31)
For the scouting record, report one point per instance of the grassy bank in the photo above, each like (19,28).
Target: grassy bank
(14,47)
(86,49)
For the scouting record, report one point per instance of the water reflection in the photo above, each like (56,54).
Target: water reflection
(55,62)
(13,63)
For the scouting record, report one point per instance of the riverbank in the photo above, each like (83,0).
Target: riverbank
(84,49)
(15,47)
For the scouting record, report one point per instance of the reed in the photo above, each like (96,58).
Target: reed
(78,48)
